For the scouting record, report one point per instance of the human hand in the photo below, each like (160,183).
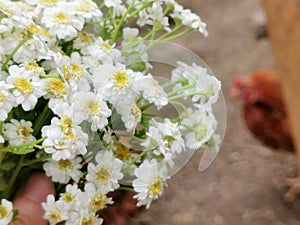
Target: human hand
(28,201)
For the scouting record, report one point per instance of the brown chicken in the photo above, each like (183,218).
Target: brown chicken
(263,108)
(264,112)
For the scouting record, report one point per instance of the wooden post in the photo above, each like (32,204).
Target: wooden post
(283,26)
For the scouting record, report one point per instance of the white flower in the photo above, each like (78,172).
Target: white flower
(73,71)
(172,133)
(189,18)
(152,91)
(90,107)
(55,211)
(157,19)
(26,90)
(131,115)
(96,198)
(200,126)
(87,9)
(61,22)
(6,212)
(102,51)
(56,91)
(85,217)
(150,182)
(63,170)
(7,100)
(107,172)
(56,144)
(18,132)
(116,5)
(206,85)
(71,197)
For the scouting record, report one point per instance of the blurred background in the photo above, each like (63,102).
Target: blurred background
(245,184)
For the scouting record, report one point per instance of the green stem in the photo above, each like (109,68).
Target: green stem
(182,89)
(14,176)
(126,189)
(115,34)
(187,95)
(4,65)
(39,122)
(140,156)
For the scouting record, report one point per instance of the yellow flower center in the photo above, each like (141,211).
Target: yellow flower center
(65,164)
(67,197)
(6,9)
(202,130)
(92,107)
(136,111)
(23,131)
(56,88)
(62,18)
(155,187)
(3,212)
(105,46)
(23,86)
(121,79)
(33,66)
(103,175)
(98,202)
(55,215)
(88,220)
(48,1)
(85,38)
(2,97)
(72,71)
(122,152)
(66,126)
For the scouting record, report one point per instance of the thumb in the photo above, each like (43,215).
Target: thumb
(28,201)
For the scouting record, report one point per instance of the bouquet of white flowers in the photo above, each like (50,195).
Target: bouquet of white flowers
(78,101)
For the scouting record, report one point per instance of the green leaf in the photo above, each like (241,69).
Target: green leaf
(7,166)
(19,151)
(3,183)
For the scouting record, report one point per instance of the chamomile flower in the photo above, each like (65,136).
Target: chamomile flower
(56,91)
(131,115)
(6,212)
(26,90)
(200,126)
(73,71)
(87,9)
(102,50)
(189,18)
(116,5)
(152,91)
(61,22)
(7,100)
(207,86)
(56,144)
(55,211)
(106,173)
(115,83)
(63,170)
(149,183)
(90,107)
(85,217)
(18,132)
(97,198)
(70,197)
(172,133)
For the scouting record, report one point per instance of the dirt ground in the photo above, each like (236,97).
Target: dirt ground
(245,184)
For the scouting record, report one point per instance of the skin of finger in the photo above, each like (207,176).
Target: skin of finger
(28,201)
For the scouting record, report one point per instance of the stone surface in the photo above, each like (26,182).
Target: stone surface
(245,184)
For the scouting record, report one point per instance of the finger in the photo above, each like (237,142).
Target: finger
(28,202)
